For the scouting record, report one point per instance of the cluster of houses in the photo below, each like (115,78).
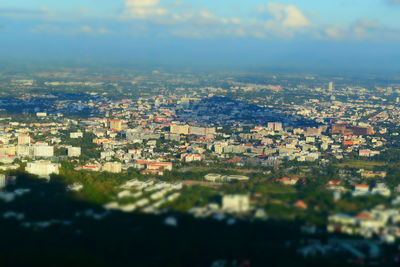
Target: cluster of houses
(380,222)
(147,196)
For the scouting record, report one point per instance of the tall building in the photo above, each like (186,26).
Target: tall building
(275,126)
(331,86)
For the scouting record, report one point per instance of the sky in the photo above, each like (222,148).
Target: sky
(337,34)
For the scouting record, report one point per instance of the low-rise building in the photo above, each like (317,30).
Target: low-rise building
(42,168)
(74,152)
(113,167)
(236,203)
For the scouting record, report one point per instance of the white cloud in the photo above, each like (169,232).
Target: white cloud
(142,9)
(141,3)
(287,15)
(282,20)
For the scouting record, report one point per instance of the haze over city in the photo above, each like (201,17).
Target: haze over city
(311,34)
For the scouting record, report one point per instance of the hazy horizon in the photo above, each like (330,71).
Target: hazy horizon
(342,35)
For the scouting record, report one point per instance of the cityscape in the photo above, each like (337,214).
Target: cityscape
(157,163)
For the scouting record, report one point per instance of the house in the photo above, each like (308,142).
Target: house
(360,190)
(300,204)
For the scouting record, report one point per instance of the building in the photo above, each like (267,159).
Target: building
(159,166)
(331,86)
(312,131)
(360,190)
(75,135)
(116,125)
(236,203)
(24,139)
(113,167)
(202,130)
(381,189)
(275,126)
(191,157)
(43,150)
(74,152)
(179,129)
(351,130)
(41,114)
(367,153)
(214,177)
(42,168)
(23,151)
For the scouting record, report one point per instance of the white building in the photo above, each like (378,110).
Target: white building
(381,189)
(74,152)
(214,177)
(113,167)
(236,203)
(75,135)
(42,168)
(43,150)
(23,151)
(41,114)
(24,139)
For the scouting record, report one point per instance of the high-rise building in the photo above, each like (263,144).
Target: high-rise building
(275,126)
(331,86)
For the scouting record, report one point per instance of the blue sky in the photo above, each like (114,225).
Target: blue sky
(250,32)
